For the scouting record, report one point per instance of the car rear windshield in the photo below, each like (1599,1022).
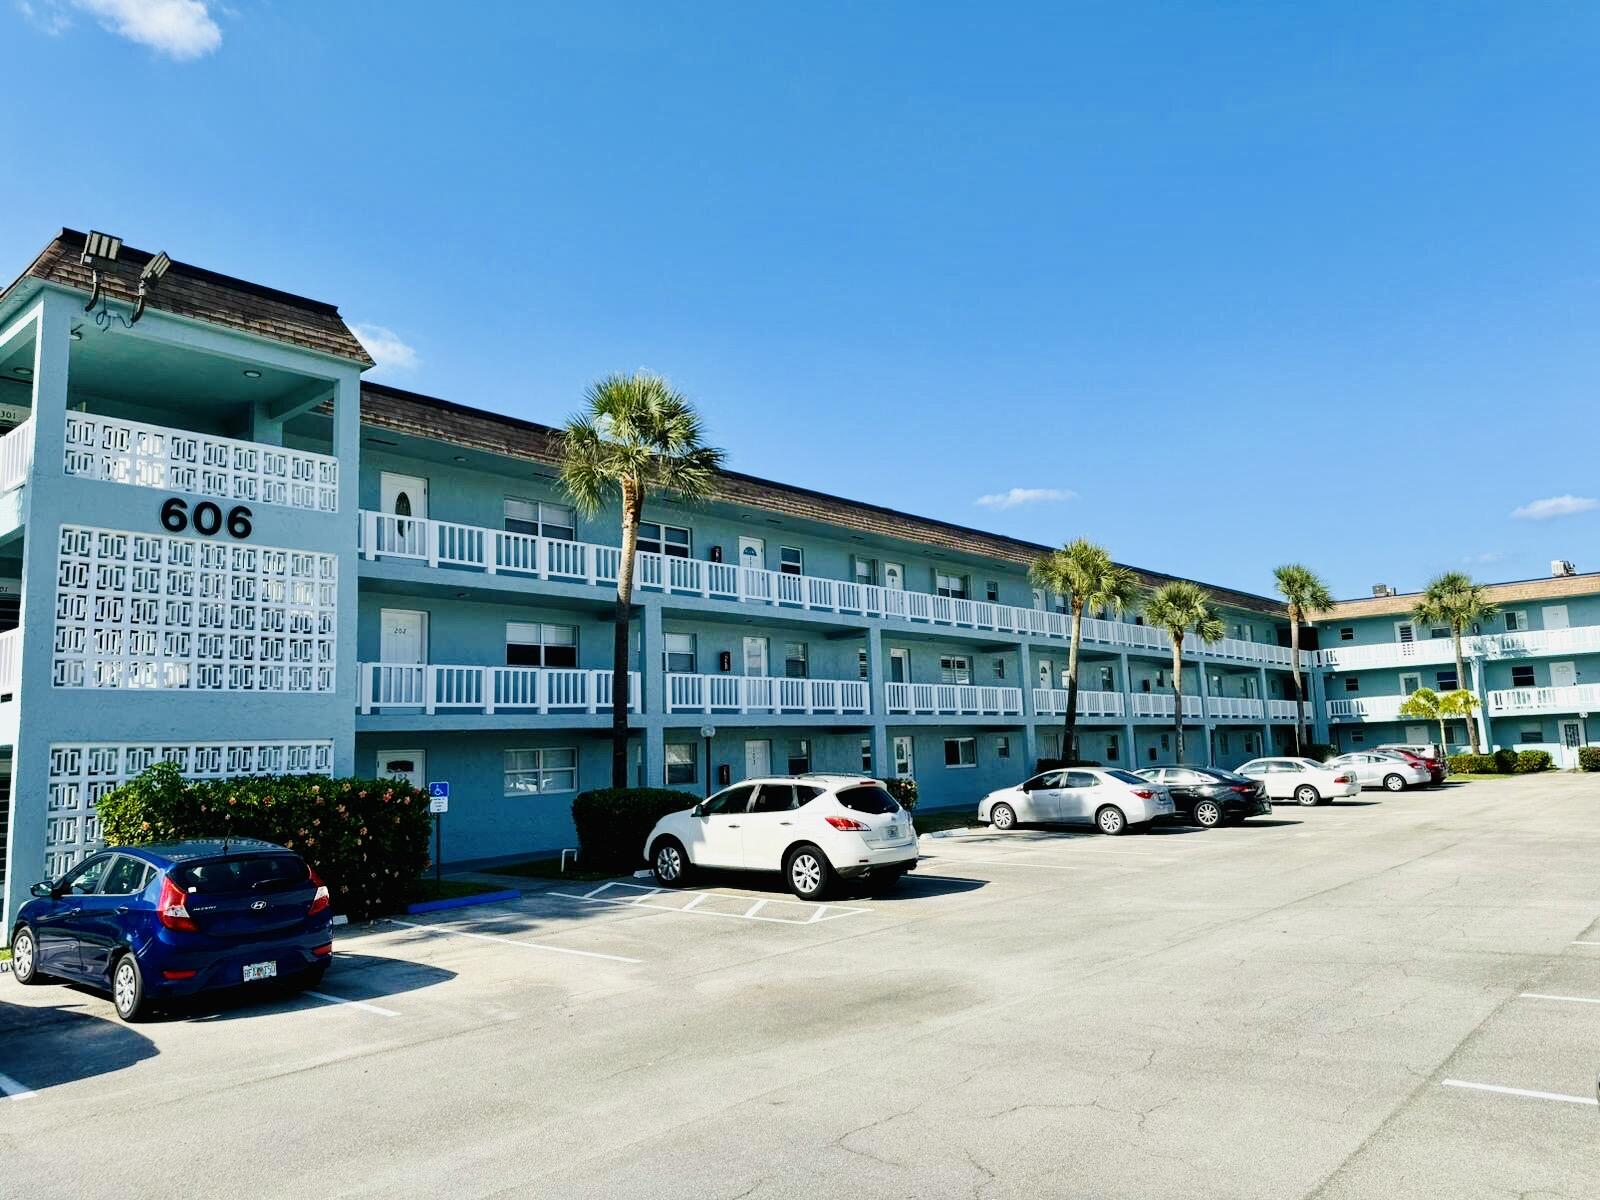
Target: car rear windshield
(1126,777)
(252,873)
(1227,776)
(868,798)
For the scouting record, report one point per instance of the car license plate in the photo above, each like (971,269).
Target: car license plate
(894,831)
(254,971)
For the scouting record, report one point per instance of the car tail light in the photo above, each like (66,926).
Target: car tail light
(848,824)
(1343,778)
(171,910)
(1144,793)
(1243,789)
(319,900)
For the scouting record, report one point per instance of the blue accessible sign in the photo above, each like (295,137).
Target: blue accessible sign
(439,797)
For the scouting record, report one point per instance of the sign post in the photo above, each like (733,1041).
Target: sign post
(708,732)
(438,805)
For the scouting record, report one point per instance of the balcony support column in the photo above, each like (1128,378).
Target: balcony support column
(1030,734)
(1475,667)
(1208,727)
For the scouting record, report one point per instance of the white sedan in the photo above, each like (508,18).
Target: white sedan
(1380,769)
(813,828)
(1109,799)
(1302,780)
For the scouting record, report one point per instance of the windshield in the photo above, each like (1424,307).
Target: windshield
(1126,776)
(868,798)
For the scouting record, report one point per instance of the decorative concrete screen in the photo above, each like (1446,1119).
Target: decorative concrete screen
(176,460)
(137,610)
(80,774)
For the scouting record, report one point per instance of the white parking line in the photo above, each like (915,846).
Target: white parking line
(13,1090)
(1586,943)
(1523,1092)
(497,937)
(1568,999)
(652,897)
(361,1004)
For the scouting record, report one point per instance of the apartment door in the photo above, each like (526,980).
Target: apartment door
(899,665)
(894,576)
(1417,735)
(757,759)
(755,656)
(402,649)
(1555,616)
(410,765)
(753,553)
(1563,674)
(904,763)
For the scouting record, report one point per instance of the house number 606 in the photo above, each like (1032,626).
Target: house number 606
(207,518)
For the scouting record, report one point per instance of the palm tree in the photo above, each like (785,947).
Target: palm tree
(1083,572)
(635,437)
(1454,600)
(1180,607)
(1305,593)
(1460,703)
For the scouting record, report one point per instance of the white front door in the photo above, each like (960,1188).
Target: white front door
(904,764)
(403,495)
(899,665)
(410,765)
(757,759)
(894,576)
(755,657)
(1555,616)
(1045,671)
(753,553)
(404,637)
(1563,674)
(1417,735)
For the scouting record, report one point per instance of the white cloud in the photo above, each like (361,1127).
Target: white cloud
(1019,496)
(1555,506)
(180,29)
(388,349)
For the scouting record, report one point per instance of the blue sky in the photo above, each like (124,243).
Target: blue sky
(1216,285)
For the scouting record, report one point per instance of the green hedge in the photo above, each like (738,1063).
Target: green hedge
(366,838)
(904,790)
(1473,764)
(1589,758)
(1503,762)
(612,824)
(1530,762)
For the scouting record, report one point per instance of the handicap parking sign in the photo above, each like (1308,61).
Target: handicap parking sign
(439,797)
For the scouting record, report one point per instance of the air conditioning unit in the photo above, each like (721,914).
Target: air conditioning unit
(1560,566)
(1382,589)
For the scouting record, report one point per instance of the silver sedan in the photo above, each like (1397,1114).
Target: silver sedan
(1109,799)
(1380,769)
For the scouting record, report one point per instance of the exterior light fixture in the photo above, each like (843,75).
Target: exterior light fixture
(99,250)
(148,278)
(252,373)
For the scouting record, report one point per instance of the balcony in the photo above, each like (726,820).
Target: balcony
(16,456)
(1526,644)
(1582,697)
(1235,708)
(1371,708)
(225,469)
(1159,704)
(1091,705)
(765,694)
(1283,710)
(434,687)
(952,700)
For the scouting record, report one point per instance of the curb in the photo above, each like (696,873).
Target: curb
(428,906)
(949,833)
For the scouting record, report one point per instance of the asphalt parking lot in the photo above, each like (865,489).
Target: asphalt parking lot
(1395,997)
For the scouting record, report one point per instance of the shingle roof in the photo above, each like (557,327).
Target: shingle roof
(1553,587)
(422,416)
(194,292)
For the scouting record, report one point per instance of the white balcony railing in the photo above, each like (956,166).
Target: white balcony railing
(953,699)
(1235,708)
(436,687)
(16,456)
(1159,704)
(1581,697)
(10,661)
(1283,710)
(764,694)
(1369,708)
(1092,705)
(200,464)
(1582,639)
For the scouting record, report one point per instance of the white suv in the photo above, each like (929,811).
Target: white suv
(813,828)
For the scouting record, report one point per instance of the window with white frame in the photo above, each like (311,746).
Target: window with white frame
(861,663)
(961,752)
(1352,684)
(1522,677)
(540,518)
(866,755)
(865,571)
(796,660)
(955,668)
(1446,679)
(799,756)
(532,644)
(679,652)
(541,772)
(1439,631)
(1347,634)
(1515,621)
(1108,679)
(1409,682)
(991,590)
(1002,746)
(999,668)
(681,758)
(1113,748)
(1404,632)
(672,540)
(950,585)
(791,560)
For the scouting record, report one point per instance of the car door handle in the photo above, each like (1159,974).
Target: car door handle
(731,825)
(123,910)
(785,822)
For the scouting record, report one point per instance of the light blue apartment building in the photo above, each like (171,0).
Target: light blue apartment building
(222,547)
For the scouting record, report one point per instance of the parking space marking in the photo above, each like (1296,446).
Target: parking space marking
(1568,999)
(1522,1092)
(361,1004)
(1586,943)
(12,1090)
(652,898)
(498,937)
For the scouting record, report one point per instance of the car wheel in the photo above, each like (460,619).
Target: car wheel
(670,863)
(25,957)
(1111,821)
(807,872)
(1003,816)
(1207,813)
(1393,783)
(1305,795)
(127,988)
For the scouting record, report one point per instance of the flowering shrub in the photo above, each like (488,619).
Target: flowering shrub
(366,838)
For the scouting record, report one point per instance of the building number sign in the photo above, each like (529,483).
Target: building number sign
(206,518)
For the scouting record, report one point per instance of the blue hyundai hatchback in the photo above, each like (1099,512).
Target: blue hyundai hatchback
(149,923)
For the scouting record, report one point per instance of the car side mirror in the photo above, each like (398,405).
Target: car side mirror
(699,810)
(45,890)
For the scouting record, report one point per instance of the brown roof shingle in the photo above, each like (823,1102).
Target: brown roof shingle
(201,295)
(1553,587)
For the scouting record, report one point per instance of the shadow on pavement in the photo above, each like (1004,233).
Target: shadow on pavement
(350,977)
(912,886)
(45,1046)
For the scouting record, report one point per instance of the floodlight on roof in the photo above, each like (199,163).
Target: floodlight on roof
(151,275)
(98,249)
